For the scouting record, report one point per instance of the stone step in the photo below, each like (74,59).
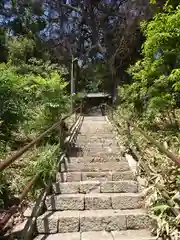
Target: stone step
(99,153)
(97,145)
(59,236)
(98,141)
(98,159)
(94,118)
(93,153)
(96,125)
(143,234)
(95,186)
(94,176)
(97,120)
(97,132)
(118,235)
(94,220)
(88,135)
(94,201)
(98,149)
(94,167)
(101,235)
(107,137)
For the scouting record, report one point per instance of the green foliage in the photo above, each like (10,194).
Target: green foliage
(154,90)
(161,212)
(151,99)
(21,94)
(92,78)
(44,163)
(54,99)
(32,98)
(4,190)
(12,101)
(20,49)
(169,4)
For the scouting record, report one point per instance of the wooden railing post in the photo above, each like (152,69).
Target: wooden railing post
(112,114)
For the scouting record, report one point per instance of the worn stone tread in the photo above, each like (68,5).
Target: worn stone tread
(118,235)
(113,220)
(59,236)
(95,176)
(92,220)
(95,167)
(59,221)
(95,186)
(100,235)
(94,201)
(94,136)
(99,142)
(142,234)
(76,187)
(99,158)
(99,149)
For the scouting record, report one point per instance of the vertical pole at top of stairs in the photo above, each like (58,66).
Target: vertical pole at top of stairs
(72,82)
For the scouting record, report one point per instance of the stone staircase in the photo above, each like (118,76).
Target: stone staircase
(95,195)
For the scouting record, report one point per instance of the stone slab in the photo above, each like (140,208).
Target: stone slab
(96,236)
(137,219)
(98,201)
(65,202)
(126,175)
(127,201)
(76,187)
(99,158)
(97,167)
(66,187)
(53,222)
(68,176)
(119,187)
(143,234)
(94,201)
(89,187)
(59,236)
(100,220)
(97,176)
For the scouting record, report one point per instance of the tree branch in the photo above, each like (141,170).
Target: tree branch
(70,7)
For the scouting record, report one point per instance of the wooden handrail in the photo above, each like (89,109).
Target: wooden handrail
(4,164)
(14,208)
(161,148)
(11,159)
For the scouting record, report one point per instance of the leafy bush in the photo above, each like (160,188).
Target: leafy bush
(20,49)
(151,100)
(4,190)
(44,163)
(21,94)
(155,89)
(12,100)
